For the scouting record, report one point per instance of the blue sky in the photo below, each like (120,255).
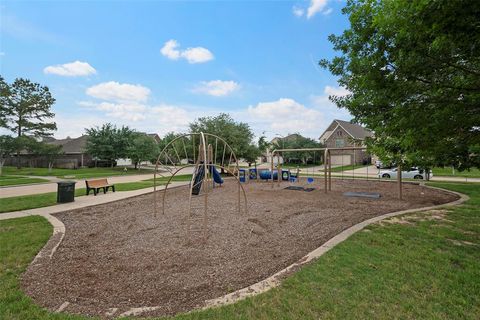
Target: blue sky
(156,66)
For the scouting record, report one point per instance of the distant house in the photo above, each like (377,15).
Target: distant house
(278,140)
(73,155)
(340,134)
(74,152)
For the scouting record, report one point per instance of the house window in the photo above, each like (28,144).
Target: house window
(339,143)
(339,133)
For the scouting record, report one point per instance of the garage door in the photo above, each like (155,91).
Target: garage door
(337,160)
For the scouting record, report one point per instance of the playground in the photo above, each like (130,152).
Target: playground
(120,256)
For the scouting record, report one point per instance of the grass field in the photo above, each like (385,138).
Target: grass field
(18,180)
(421,269)
(448,172)
(81,173)
(49,199)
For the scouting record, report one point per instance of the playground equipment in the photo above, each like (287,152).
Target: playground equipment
(204,153)
(327,166)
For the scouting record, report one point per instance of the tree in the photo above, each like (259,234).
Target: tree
(25,109)
(50,152)
(251,154)
(142,148)
(413,70)
(237,134)
(109,142)
(298,141)
(263,144)
(7,148)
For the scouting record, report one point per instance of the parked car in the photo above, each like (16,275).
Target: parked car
(380,165)
(411,173)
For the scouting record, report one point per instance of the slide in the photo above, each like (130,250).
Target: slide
(197,182)
(216,175)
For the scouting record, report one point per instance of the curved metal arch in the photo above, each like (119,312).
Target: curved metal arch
(203,138)
(193,165)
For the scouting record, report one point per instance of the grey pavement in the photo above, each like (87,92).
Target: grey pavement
(37,188)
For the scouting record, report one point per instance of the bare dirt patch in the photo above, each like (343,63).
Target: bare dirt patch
(118,256)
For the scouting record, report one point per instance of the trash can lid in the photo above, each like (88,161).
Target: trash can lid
(66,182)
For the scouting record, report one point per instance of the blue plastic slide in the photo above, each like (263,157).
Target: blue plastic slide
(216,175)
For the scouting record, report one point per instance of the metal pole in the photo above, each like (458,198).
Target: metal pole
(399,180)
(329,171)
(325,169)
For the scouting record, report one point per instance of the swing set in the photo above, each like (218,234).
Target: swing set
(327,165)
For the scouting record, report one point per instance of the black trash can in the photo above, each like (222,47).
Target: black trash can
(66,191)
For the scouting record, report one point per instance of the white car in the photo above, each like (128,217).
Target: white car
(412,173)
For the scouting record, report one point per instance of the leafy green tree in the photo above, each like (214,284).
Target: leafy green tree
(298,141)
(251,154)
(50,152)
(109,142)
(413,70)
(263,143)
(7,149)
(26,109)
(142,148)
(237,134)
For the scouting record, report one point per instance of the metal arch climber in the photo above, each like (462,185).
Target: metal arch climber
(198,153)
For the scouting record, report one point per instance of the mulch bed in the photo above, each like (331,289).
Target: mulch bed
(118,255)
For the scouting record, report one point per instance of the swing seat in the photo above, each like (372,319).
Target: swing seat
(310,180)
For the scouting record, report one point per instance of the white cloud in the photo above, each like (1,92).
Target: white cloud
(114,91)
(174,117)
(197,55)
(297,11)
(192,55)
(72,69)
(327,12)
(336,91)
(169,50)
(286,116)
(327,107)
(315,7)
(217,88)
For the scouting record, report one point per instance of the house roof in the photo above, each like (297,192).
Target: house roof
(69,145)
(290,137)
(355,130)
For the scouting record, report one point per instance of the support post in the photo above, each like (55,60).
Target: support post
(325,159)
(271,168)
(329,171)
(399,180)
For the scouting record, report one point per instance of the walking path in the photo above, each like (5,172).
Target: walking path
(85,201)
(22,190)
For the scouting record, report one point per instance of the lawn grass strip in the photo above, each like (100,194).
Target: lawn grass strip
(275,280)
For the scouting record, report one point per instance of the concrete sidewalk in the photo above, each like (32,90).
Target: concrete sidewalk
(84,201)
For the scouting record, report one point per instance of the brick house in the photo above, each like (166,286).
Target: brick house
(340,134)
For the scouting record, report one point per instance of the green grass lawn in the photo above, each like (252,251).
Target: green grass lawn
(18,180)
(81,173)
(49,199)
(448,172)
(349,167)
(421,269)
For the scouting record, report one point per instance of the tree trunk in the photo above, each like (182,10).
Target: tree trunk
(136,164)
(2,162)
(18,136)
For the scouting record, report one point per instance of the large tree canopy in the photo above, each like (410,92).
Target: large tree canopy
(109,142)
(413,70)
(237,134)
(25,108)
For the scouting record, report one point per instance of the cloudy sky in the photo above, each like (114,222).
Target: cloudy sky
(156,66)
